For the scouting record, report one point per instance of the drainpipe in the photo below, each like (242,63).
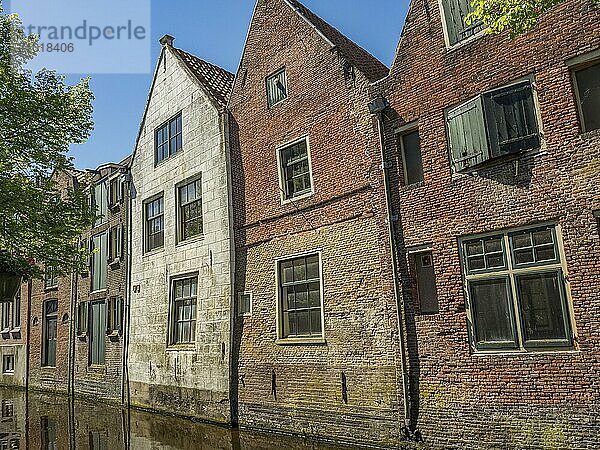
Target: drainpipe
(72,312)
(378,107)
(125,392)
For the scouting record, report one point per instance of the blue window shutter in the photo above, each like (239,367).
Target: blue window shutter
(467,135)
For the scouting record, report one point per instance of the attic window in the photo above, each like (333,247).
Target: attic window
(168,138)
(276,87)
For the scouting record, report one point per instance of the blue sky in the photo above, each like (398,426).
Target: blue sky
(215,30)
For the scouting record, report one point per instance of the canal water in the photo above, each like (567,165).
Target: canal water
(51,422)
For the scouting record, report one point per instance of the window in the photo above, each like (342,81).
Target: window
(587,82)
(115,315)
(455,12)
(98,441)
(48,427)
(16,311)
(11,314)
(410,145)
(115,247)
(295,170)
(190,210)
(6,316)
(169,138)
(82,319)
(492,125)
(50,277)
(300,300)
(8,364)
(97,324)
(100,202)
(276,87)
(183,313)
(99,261)
(426,289)
(516,290)
(155,224)
(8,409)
(49,333)
(244,303)
(115,190)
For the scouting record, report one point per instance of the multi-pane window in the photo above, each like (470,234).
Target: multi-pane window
(115,191)
(183,312)
(49,333)
(587,81)
(276,87)
(50,277)
(115,243)
(244,303)
(8,364)
(455,12)
(115,315)
(11,313)
(100,202)
(410,145)
(491,125)
(190,210)
(99,261)
(516,290)
(300,297)
(155,223)
(295,170)
(97,332)
(169,138)
(82,318)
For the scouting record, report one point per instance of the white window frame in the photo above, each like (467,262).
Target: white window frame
(509,272)
(189,346)
(282,187)
(6,371)
(575,65)
(239,300)
(300,340)
(459,44)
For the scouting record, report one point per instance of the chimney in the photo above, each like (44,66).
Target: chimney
(167,40)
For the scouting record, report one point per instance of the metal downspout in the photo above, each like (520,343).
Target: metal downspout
(397,294)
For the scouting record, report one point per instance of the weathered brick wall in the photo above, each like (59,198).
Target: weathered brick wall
(344,219)
(103,382)
(530,399)
(192,381)
(51,378)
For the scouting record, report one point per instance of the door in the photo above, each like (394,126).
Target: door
(97,332)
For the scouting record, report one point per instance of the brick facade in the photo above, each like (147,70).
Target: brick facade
(307,385)
(463,397)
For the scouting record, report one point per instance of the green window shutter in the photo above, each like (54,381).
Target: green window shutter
(451,12)
(467,135)
(511,119)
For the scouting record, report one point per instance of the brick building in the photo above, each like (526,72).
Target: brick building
(496,147)
(181,254)
(50,319)
(316,321)
(97,335)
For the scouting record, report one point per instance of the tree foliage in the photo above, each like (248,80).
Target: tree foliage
(40,117)
(517,16)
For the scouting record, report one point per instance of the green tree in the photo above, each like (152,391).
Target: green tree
(40,117)
(517,16)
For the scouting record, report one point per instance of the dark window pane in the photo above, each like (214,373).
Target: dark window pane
(542,307)
(523,256)
(413,164)
(492,313)
(588,85)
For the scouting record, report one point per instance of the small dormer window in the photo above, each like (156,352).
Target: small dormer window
(168,139)
(276,87)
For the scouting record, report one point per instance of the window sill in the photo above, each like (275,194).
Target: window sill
(274,105)
(413,186)
(81,337)
(115,262)
(10,374)
(5,331)
(298,198)
(49,369)
(51,288)
(590,135)
(168,158)
(153,252)
(181,348)
(301,341)
(99,291)
(190,240)
(465,42)
(16,331)
(521,352)
(498,161)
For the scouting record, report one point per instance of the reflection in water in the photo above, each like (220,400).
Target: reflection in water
(52,422)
